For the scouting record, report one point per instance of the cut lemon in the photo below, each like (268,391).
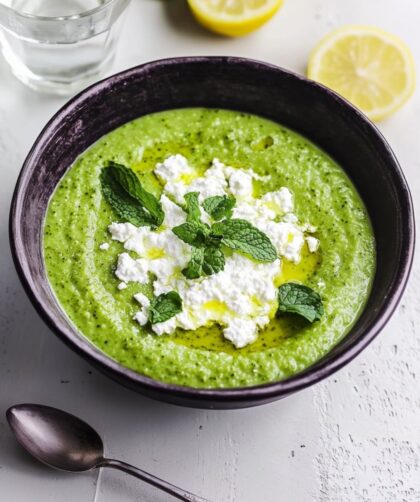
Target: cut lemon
(234,18)
(370,67)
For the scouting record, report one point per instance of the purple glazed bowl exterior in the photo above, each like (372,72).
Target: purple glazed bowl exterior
(238,84)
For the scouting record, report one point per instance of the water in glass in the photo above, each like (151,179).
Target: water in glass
(62,45)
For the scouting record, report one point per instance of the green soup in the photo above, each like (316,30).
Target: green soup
(83,278)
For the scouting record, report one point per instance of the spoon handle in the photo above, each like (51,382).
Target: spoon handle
(152,480)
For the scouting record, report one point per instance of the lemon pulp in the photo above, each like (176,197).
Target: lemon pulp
(370,67)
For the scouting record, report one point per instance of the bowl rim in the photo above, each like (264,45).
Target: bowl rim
(263,392)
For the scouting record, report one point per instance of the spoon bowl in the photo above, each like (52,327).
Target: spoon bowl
(65,442)
(55,437)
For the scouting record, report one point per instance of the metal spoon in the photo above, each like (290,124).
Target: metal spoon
(65,442)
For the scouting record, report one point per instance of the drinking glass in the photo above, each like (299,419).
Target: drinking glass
(60,46)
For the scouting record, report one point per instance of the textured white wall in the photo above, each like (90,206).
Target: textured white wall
(354,437)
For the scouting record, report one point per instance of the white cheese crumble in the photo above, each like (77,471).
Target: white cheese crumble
(142,316)
(129,269)
(242,298)
(313,244)
(122,231)
(122,285)
(309,228)
(281,200)
(104,246)
(241,332)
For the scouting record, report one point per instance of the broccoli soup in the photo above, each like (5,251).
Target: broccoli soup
(209,248)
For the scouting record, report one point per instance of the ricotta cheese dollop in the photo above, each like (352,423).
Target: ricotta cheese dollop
(242,298)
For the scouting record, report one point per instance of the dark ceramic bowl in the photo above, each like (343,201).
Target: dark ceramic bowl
(238,84)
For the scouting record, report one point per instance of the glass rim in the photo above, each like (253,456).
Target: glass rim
(70,17)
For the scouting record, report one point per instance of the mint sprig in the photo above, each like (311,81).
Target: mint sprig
(219,206)
(207,255)
(301,300)
(243,236)
(126,195)
(165,306)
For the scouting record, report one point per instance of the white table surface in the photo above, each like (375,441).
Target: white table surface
(353,437)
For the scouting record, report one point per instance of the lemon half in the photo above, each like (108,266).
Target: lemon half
(370,67)
(234,18)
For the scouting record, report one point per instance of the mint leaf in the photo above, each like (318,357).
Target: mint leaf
(204,261)
(128,208)
(124,192)
(242,236)
(193,207)
(302,300)
(214,260)
(130,182)
(194,269)
(192,233)
(219,206)
(165,306)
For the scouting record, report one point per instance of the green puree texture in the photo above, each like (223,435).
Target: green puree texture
(82,276)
